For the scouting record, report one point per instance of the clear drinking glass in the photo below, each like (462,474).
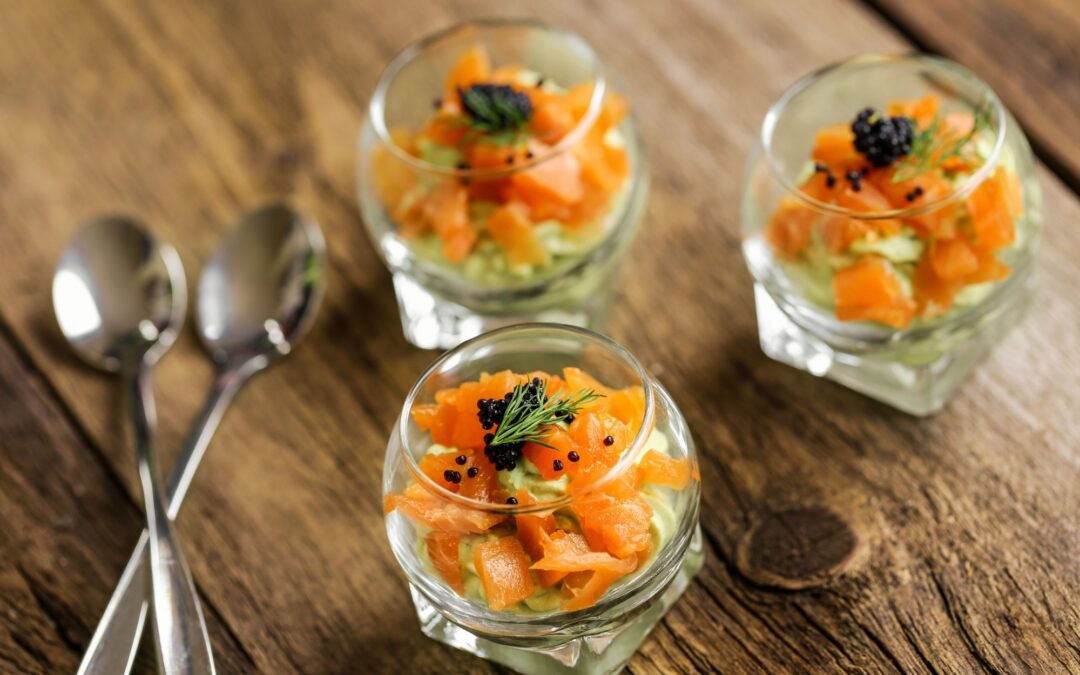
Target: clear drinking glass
(918,368)
(601,638)
(443,303)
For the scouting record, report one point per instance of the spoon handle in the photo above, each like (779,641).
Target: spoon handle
(116,639)
(183,645)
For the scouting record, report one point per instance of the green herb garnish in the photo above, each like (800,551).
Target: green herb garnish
(931,147)
(530,413)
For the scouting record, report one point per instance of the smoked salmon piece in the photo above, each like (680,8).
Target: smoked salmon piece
(990,207)
(513,231)
(656,468)
(443,550)
(790,228)
(870,291)
(503,568)
(424,508)
(586,588)
(834,145)
(532,530)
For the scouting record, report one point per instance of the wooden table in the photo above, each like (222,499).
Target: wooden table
(187,114)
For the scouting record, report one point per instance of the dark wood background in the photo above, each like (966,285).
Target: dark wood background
(188,113)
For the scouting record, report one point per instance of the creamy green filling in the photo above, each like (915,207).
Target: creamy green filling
(527,477)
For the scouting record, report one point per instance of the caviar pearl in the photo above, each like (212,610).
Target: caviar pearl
(573,456)
(512,501)
(473,472)
(610,440)
(461,459)
(557,465)
(452,476)
(880,138)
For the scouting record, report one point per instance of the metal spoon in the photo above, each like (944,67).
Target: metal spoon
(257,297)
(119,297)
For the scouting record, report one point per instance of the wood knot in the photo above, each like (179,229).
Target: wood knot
(796,548)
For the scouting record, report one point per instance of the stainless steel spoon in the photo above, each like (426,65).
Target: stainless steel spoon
(119,297)
(257,297)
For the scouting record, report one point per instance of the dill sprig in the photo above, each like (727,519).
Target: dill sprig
(528,419)
(932,146)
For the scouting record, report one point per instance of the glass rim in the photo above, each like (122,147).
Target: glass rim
(377,107)
(624,463)
(962,191)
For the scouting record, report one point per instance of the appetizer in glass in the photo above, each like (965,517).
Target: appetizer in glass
(890,218)
(542,494)
(501,179)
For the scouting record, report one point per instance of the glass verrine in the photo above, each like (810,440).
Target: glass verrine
(890,260)
(579,622)
(501,179)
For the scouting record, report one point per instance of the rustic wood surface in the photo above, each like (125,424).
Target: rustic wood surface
(187,114)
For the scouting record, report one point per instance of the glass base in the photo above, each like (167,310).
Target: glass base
(432,322)
(595,654)
(918,389)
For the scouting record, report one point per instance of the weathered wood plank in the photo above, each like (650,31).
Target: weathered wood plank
(66,529)
(186,114)
(1027,51)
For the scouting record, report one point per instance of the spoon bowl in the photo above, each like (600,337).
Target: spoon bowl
(258,292)
(119,294)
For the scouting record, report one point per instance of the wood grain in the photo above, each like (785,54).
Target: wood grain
(186,114)
(66,527)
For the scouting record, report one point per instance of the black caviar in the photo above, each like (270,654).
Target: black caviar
(512,501)
(491,412)
(461,459)
(609,440)
(452,476)
(882,139)
(557,465)
(573,456)
(855,178)
(473,472)
(495,107)
(504,456)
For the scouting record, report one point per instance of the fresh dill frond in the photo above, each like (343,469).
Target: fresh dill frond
(933,146)
(530,413)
